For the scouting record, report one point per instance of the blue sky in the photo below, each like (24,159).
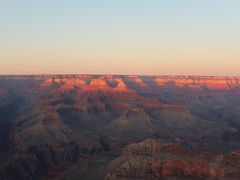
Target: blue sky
(120,37)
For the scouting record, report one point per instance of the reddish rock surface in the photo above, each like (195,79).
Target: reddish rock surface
(153,159)
(102,83)
(211,82)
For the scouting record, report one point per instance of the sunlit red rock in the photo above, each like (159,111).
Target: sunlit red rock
(138,81)
(47,82)
(211,82)
(103,83)
(95,83)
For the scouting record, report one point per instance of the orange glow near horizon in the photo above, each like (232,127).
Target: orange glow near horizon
(158,62)
(125,37)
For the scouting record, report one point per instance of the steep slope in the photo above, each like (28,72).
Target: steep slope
(153,159)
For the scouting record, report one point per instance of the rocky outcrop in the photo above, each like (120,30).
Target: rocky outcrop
(153,159)
(138,81)
(118,83)
(106,84)
(217,83)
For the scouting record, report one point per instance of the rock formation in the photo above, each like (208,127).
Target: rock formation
(153,159)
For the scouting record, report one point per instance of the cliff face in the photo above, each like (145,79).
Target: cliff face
(217,83)
(117,84)
(152,159)
(88,83)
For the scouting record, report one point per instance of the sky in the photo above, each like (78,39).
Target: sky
(147,37)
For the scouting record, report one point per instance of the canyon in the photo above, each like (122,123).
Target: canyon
(119,127)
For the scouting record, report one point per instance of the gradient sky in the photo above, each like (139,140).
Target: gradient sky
(180,37)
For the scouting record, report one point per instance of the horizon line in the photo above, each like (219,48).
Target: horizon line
(98,74)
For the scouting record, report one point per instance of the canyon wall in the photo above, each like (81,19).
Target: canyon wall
(153,159)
